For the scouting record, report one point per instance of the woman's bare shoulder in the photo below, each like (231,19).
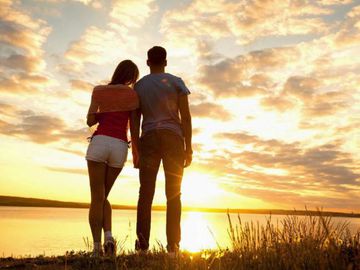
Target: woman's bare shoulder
(112,87)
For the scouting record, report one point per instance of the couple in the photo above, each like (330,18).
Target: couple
(162,101)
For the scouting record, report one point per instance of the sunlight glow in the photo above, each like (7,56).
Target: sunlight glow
(199,188)
(196,233)
(272,171)
(274,102)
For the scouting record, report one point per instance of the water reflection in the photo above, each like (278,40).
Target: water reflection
(196,232)
(53,231)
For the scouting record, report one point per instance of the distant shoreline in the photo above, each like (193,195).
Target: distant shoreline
(34,202)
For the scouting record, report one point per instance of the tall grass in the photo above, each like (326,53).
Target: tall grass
(296,242)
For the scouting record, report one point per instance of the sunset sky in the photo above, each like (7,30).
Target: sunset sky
(275,96)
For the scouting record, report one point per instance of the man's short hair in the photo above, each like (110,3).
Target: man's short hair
(156,55)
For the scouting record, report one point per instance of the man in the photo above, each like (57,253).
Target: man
(166,135)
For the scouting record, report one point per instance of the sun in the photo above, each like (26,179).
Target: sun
(198,189)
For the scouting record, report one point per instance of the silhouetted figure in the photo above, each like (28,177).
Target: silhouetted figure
(111,106)
(166,136)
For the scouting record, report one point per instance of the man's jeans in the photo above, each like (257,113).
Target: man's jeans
(155,146)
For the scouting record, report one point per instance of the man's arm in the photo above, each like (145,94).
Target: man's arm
(135,118)
(186,127)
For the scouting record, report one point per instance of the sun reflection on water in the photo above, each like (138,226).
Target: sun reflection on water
(196,232)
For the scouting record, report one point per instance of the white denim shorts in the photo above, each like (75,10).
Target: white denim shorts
(109,150)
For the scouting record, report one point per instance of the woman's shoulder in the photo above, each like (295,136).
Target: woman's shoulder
(111,87)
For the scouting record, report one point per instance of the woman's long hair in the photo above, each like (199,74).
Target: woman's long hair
(125,73)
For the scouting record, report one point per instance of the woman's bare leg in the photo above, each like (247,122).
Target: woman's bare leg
(111,175)
(97,176)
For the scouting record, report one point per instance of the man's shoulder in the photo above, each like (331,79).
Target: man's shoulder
(144,78)
(150,79)
(158,76)
(172,76)
(174,80)
(142,81)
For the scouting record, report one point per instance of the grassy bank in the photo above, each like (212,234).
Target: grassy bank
(313,242)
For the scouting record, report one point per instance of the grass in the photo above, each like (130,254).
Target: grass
(310,242)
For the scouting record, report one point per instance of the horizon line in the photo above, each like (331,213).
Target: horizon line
(6,200)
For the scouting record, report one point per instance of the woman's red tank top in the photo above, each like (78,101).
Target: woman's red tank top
(113,124)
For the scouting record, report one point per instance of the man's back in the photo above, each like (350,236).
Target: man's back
(159,95)
(167,129)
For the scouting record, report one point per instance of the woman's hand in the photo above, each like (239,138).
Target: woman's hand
(136,157)
(135,117)
(91,119)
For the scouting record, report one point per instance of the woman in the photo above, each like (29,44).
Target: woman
(110,108)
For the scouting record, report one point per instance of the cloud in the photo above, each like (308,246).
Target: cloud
(21,60)
(327,104)
(210,110)
(105,45)
(312,175)
(132,13)
(75,135)
(302,87)
(71,151)
(92,3)
(349,33)
(242,19)
(68,170)
(245,58)
(41,129)
(277,102)
(246,75)
(205,52)
(277,18)
(20,30)
(185,26)
(353,125)
(316,103)
(96,46)
(334,2)
(305,76)
(313,85)
(283,198)
(22,83)
(7,109)
(324,164)
(81,85)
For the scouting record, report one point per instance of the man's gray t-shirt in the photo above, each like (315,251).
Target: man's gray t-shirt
(159,94)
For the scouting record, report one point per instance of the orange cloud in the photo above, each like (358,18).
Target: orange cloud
(81,85)
(19,30)
(22,38)
(349,33)
(22,83)
(307,175)
(106,45)
(246,75)
(132,14)
(245,20)
(40,128)
(210,110)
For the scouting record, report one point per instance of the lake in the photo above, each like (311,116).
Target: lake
(53,231)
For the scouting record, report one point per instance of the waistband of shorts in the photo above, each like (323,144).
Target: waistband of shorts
(108,139)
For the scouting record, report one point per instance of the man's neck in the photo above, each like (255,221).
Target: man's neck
(157,69)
